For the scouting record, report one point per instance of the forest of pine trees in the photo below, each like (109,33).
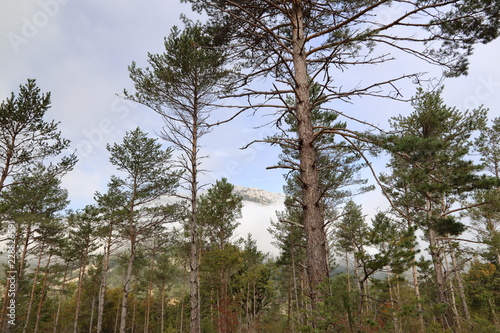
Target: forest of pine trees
(157,251)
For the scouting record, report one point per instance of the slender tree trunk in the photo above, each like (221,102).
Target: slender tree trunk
(193,281)
(460,285)
(435,253)
(452,298)
(416,289)
(42,294)
(224,319)
(195,324)
(348,272)
(317,267)
(33,288)
(393,302)
(162,319)
(134,313)
(9,154)
(254,303)
(127,285)
(81,277)
(349,291)
(493,313)
(295,287)
(366,294)
(24,252)
(289,319)
(182,316)
(359,285)
(92,315)
(147,315)
(61,296)
(117,317)
(103,285)
(247,306)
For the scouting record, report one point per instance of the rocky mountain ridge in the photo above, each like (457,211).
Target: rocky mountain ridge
(259,196)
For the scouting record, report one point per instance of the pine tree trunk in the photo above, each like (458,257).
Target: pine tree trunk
(127,286)
(42,295)
(59,302)
(317,267)
(435,253)
(117,317)
(296,291)
(247,306)
(81,277)
(182,316)
(194,293)
(24,252)
(33,288)
(103,286)
(134,313)
(289,319)
(162,319)
(147,315)
(416,289)
(92,315)
(393,302)
(452,298)
(193,281)
(493,313)
(460,285)
(359,285)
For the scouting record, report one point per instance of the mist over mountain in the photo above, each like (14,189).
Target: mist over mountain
(259,208)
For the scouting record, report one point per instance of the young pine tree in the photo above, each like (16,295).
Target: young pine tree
(147,176)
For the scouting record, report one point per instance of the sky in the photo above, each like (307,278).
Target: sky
(80,50)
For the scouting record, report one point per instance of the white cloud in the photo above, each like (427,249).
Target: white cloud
(256,220)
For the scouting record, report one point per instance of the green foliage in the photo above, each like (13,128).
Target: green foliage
(486,215)
(26,138)
(146,166)
(83,225)
(430,150)
(481,325)
(352,230)
(488,145)
(218,212)
(394,242)
(447,226)
(482,281)
(189,69)
(34,197)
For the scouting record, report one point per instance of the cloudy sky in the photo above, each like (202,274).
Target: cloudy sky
(80,50)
